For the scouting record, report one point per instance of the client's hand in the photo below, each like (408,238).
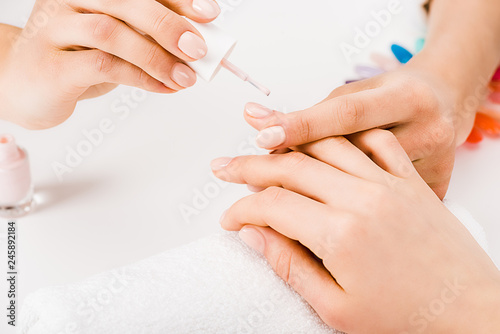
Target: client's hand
(428,116)
(366,243)
(76,49)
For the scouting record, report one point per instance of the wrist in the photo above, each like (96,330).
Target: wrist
(463,88)
(476,309)
(482,313)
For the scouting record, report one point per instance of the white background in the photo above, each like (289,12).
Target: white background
(123,202)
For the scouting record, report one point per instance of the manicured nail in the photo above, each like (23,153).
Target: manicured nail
(220,163)
(257,111)
(271,137)
(192,45)
(207,8)
(255,189)
(253,238)
(183,75)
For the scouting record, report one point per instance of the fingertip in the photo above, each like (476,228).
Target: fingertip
(271,138)
(255,189)
(253,238)
(258,111)
(205,10)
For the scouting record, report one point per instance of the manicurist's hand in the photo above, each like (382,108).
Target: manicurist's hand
(77,49)
(366,243)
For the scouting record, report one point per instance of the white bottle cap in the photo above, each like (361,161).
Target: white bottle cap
(220,46)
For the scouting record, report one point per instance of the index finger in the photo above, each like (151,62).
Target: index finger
(173,32)
(341,115)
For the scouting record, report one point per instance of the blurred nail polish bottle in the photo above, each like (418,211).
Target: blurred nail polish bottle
(16,187)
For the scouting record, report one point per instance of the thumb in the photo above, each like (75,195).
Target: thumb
(299,268)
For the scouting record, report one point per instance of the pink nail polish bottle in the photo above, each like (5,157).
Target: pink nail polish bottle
(16,188)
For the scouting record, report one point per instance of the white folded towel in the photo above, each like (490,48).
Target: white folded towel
(214,285)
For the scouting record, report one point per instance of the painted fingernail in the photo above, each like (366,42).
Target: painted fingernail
(271,137)
(192,45)
(183,75)
(255,189)
(207,8)
(253,238)
(257,111)
(220,163)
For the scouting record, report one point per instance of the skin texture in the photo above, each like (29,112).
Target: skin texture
(429,104)
(363,239)
(74,50)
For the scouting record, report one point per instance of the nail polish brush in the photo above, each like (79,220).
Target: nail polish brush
(220,45)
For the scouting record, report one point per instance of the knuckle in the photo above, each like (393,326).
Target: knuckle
(143,79)
(418,93)
(271,196)
(386,138)
(349,113)
(163,21)
(103,62)
(347,230)
(443,133)
(335,143)
(302,128)
(376,203)
(283,266)
(152,56)
(294,160)
(105,29)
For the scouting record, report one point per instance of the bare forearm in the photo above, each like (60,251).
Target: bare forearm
(463,43)
(462,51)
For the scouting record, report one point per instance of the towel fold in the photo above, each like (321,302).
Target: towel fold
(214,285)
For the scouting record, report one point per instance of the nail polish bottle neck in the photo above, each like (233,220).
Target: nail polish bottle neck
(9,152)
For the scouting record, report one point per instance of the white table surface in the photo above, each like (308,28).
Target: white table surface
(123,202)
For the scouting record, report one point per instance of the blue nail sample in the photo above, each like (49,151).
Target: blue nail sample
(351,81)
(402,55)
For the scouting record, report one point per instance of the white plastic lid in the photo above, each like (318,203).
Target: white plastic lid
(220,45)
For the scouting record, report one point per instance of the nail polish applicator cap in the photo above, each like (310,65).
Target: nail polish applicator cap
(220,45)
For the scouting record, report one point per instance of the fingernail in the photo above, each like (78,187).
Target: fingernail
(192,45)
(206,8)
(255,189)
(258,111)
(183,75)
(220,163)
(253,238)
(271,137)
